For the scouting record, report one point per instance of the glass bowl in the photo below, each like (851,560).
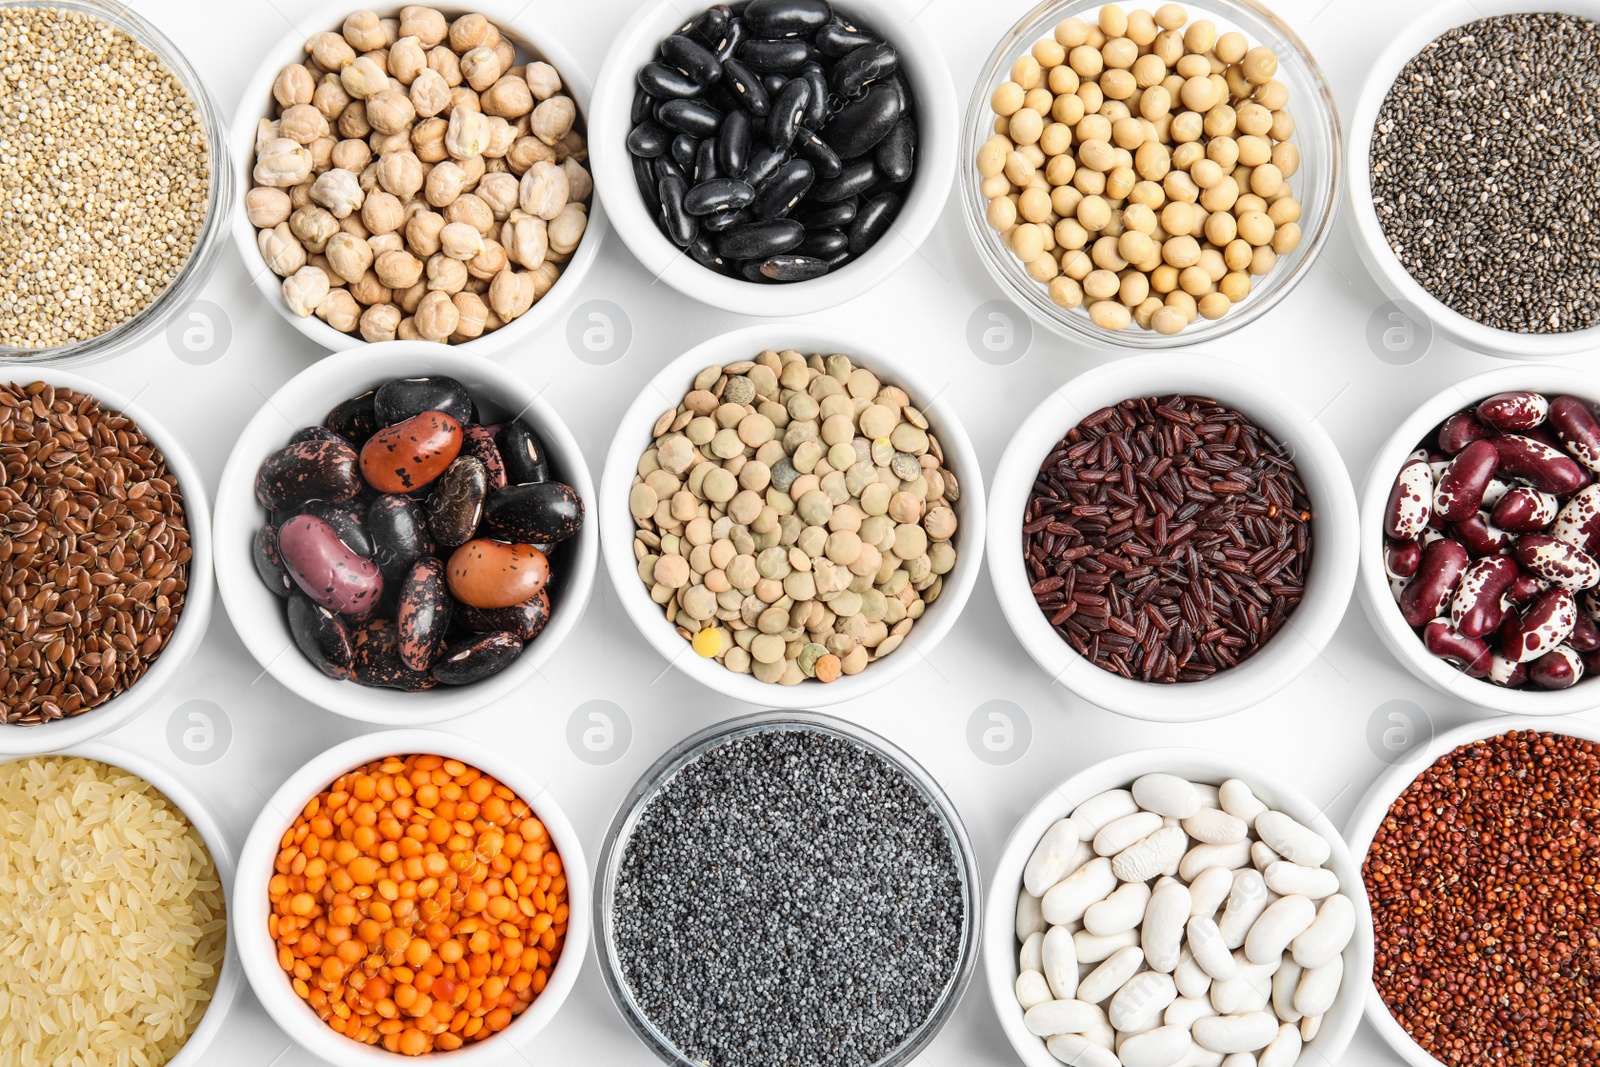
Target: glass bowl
(691,749)
(213,231)
(1317,183)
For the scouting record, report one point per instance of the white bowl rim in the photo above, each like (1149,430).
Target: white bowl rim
(1074,324)
(236,572)
(192,621)
(1393,278)
(241,140)
(1373,582)
(259,957)
(171,785)
(1334,560)
(1118,772)
(937,147)
(1374,806)
(617,526)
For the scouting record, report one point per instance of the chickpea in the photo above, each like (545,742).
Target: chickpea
(379,322)
(553,119)
(543,81)
(293,85)
(266,206)
(491,261)
(509,97)
(398,269)
(369,290)
(511,294)
(349,256)
(313,226)
(281,249)
(305,290)
(353,119)
(330,51)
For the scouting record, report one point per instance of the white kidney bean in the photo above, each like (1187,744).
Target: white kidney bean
(1128,830)
(1048,864)
(1246,901)
(1058,959)
(1285,983)
(1210,795)
(1166,794)
(1282,922)
(1101,809)
(1239,1059)
(1092,949)
(1078,1051)
(1262,856)
(1157,854)
(1200,1057)
(1161,1047)
(1291,879)
(1319,987)
(1328,935)
(1191,978)
(1236,1033)
(1069,898)
(1099,984)
(1208,949)
(1032,989)
(1121,911)
(1291,840)
(1185,1010)
(1202,858)
(1310,1027)
(1061,1017)
(1030,920)
(1161,937)
(1250,989)
(1239,800)
(1284,1050)
(1213,826)
(1209,890)
(1031,956)
(1141,1000)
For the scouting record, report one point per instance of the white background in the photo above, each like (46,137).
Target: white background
(1314,345)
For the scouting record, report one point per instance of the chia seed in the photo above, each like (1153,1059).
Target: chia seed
(1484,171)
(789,897)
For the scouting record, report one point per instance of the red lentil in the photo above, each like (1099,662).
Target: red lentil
(1483,884)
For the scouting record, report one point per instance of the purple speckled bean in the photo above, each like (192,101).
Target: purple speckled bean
(326,569)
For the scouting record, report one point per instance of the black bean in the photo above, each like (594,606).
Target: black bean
(788,107)
(817,110)
(773,82)
(857,177)
(750,271)
(861,124)
(523,453)
(746,85)
(838,39)
(782,56)
(824,244)
(477,659)
(648,140)
(823,159)
(355,419)
(831,216)
(705,161)
(780,193)
(786,18)
(724,220)
(667,167)
(694,117)
(728,44)
(793,268)
(668,83)
(840,260)
(873,222)
(709,25)
(704,252)
(691,57)
(860,68)
(644,106)
(764,163)
(681,226)
(718,194)
(644,176)
(897,153)
(402,398)
(898,84)
(684,148)
(733,143)
(759,240)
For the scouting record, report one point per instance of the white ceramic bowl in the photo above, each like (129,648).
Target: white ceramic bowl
(520,23)
(259,615)
(171,784)
(1334,552)
(1391,275)
(196,615)
(1000,945)
(667,390)
(259,952)
(1380,605)
(1369,815)
(1316,184)
(610,122)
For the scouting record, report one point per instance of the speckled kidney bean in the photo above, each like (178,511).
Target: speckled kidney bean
(527,620)
(1459,491)
(1401,558)
(1410,500)
(1542,466)
(399,530)
(1558,562)
(1514,411)
(1578,523)
(423,616)
(737,127)
(534,513)
(325,568)
(1469,654)
(1460,430)
(1475,607)
(355,419)
(347,521)
(479,443)
(321,635)
(409,455)
(1480,536)
(1442,565)
(456,506)
(405,398)
(310,470)
(523,453)
(476,658)
(494,574)
(375,659)
(1547,622)
(1524,509)
(1575,426)
(264,552)
(1559,668)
